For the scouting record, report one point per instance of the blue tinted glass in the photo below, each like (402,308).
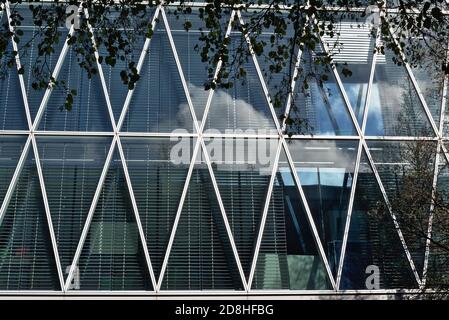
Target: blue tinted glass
(395,108)
(189,48)
(318,108)
(243,177)
(326,170)
(12,109)
(11,148)
(288,257)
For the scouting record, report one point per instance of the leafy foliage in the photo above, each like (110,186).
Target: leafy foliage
(277,30)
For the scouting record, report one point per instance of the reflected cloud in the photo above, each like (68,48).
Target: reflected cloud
(330,159)
(226,111)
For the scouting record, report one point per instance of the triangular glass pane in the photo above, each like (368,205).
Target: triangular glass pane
(276,44)
(375,257)
(242,169)
(395,108)
(37,63)
(244,106)
(113,257)
(318,108)
(352,47)
(201,257)
(71,168)
(26,254)
(158,172)
(131,30)
(430,81)
(89,111)
(11,148)
(159,102)
(406,170)
(289,257)
(12,108)
(437,271)
(188,47)
(326,169)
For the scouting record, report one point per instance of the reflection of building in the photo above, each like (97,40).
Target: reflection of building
(91,199)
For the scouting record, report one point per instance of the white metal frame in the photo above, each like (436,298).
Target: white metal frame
(200,148)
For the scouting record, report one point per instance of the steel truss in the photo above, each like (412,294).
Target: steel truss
(200,148)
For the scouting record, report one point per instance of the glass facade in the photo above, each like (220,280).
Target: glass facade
(169,188)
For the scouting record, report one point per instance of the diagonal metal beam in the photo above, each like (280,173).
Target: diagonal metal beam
(18,65)
(178,215)
(309,216)
(219,65)
(223,213)
(15,178)
(136,214)
(101,74)
(181,73)
(90,214)
(47,212)
(55,75)
(264,215)
(143,55)
(260,75)
(357,166)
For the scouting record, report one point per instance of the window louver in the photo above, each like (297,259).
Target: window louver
(71,168)
(201,257)
(26,254)
(288,256)
(372,241)
(112,257)
(157,184)
(166,108)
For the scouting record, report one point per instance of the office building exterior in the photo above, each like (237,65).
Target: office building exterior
(169,189)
